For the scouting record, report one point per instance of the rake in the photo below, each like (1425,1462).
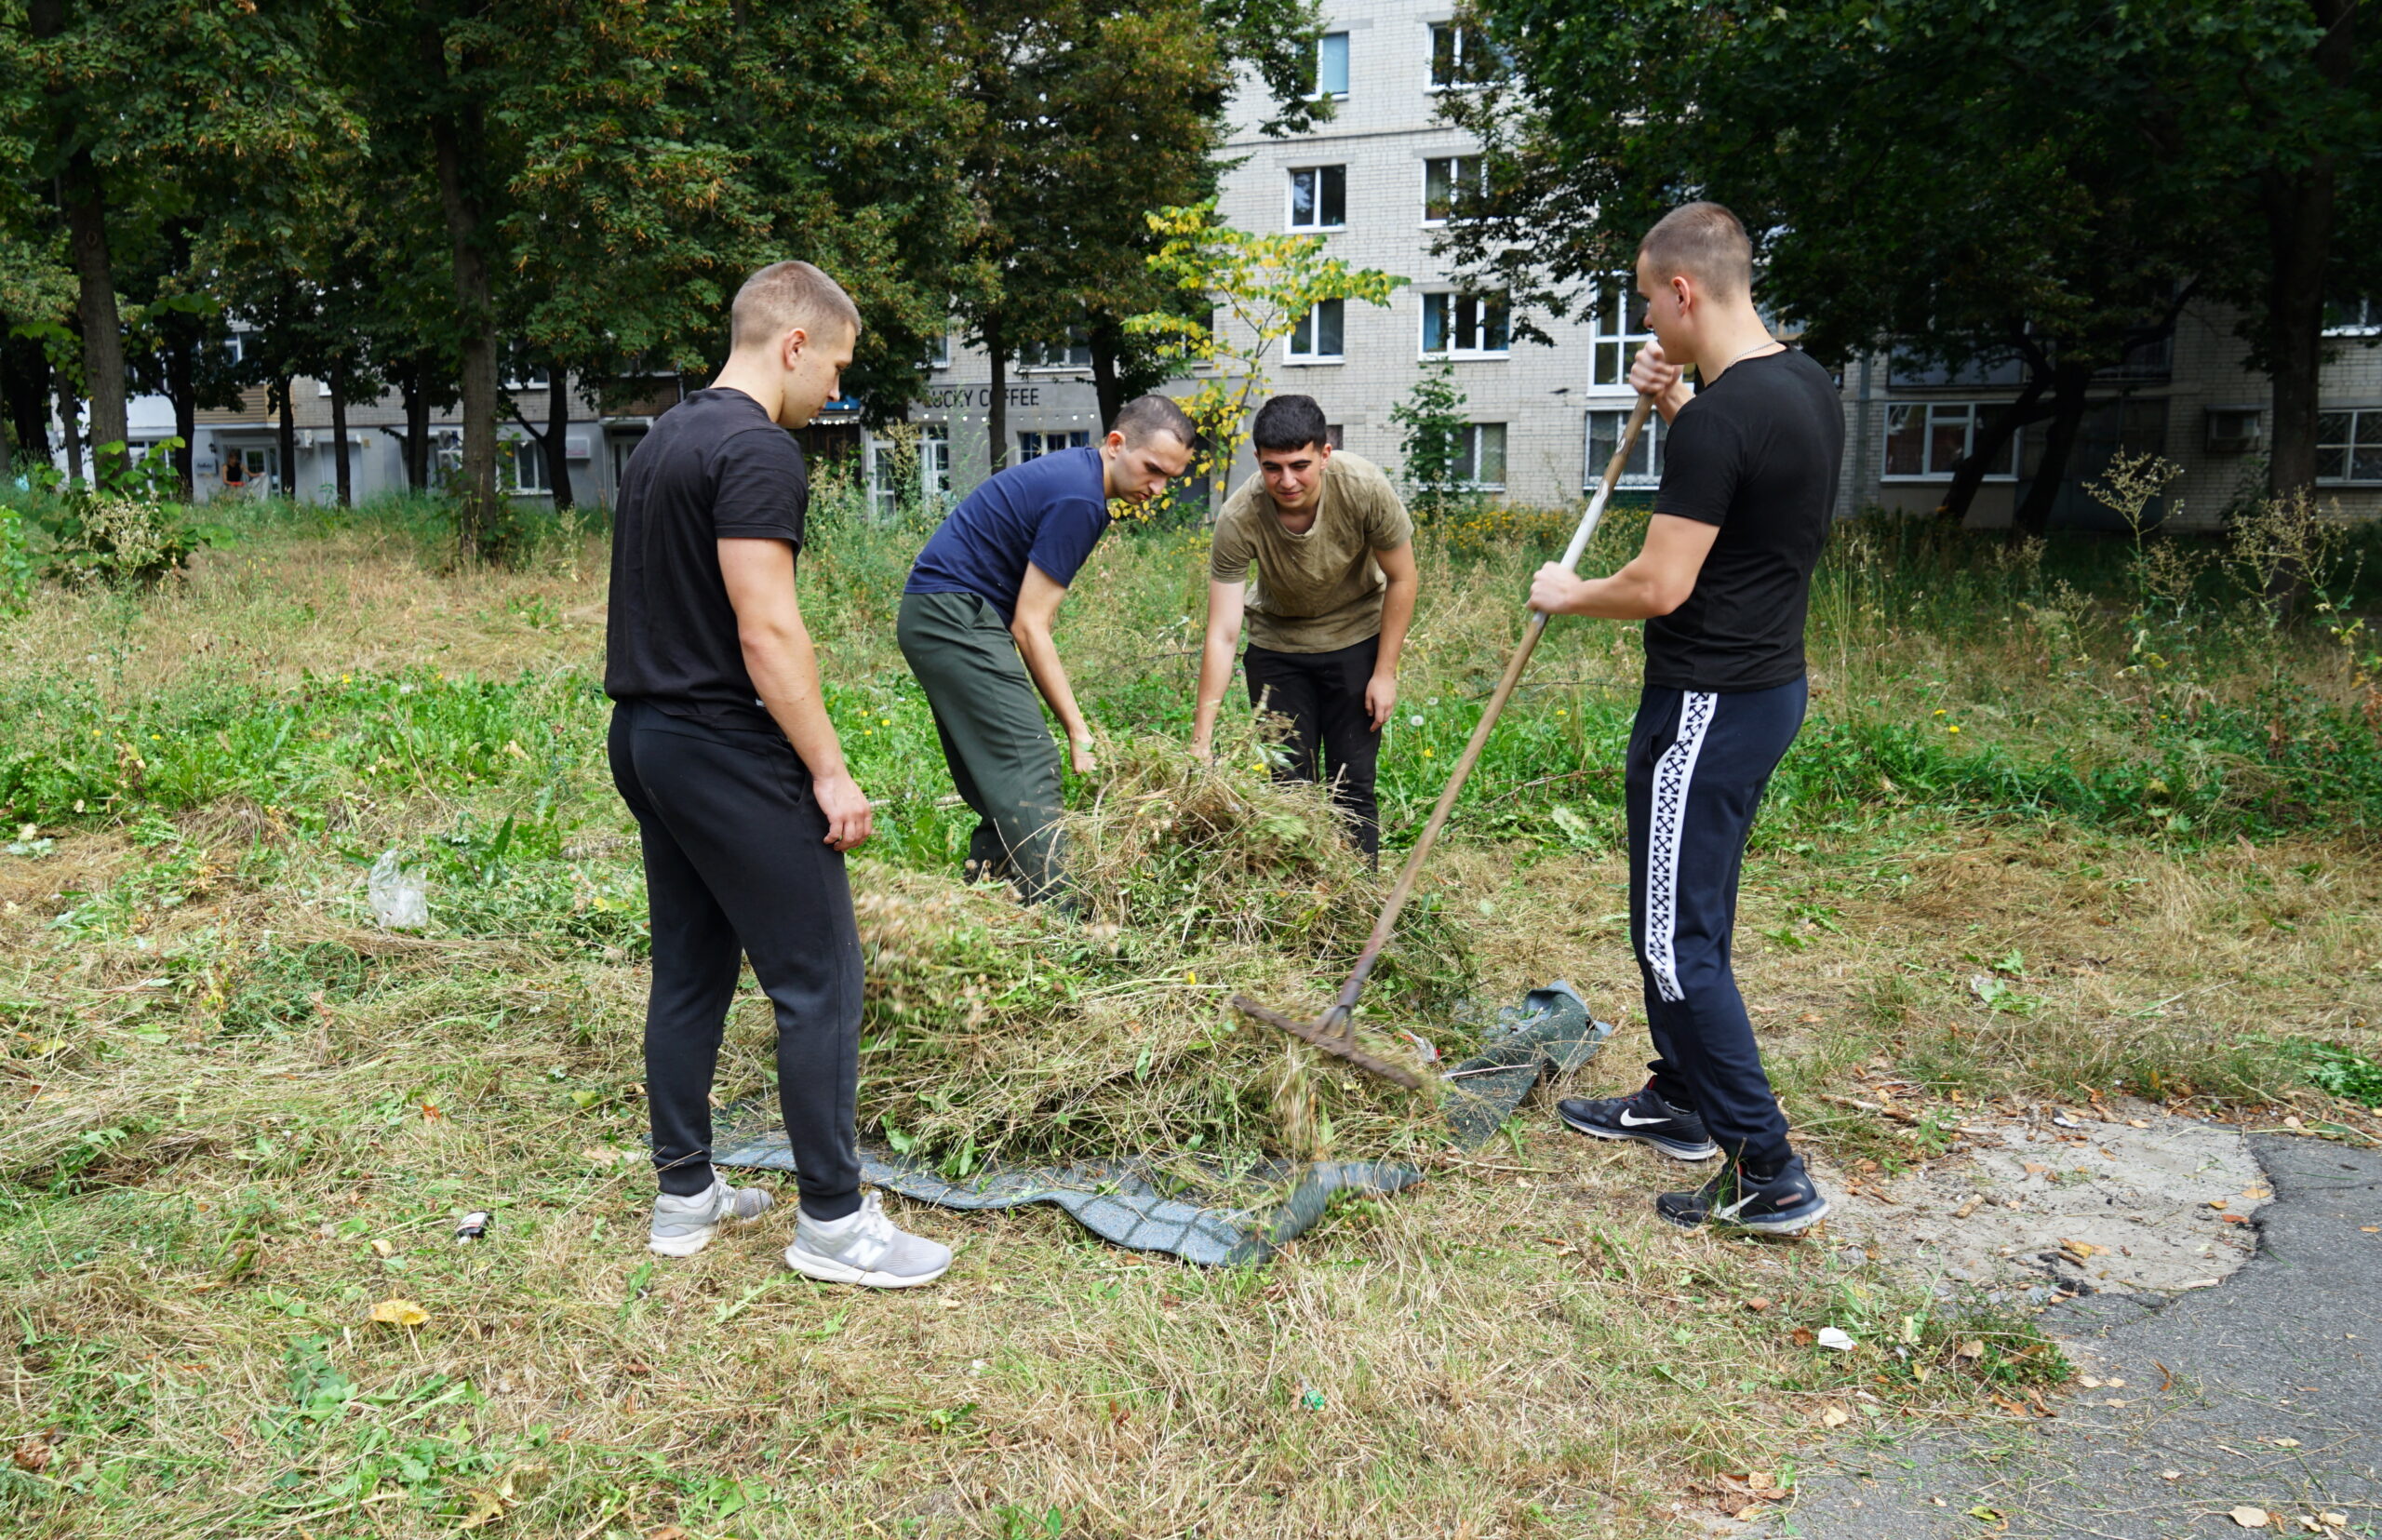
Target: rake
(1335,1031)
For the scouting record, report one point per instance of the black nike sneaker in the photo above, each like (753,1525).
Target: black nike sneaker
(1645,1118)
(1785,1204)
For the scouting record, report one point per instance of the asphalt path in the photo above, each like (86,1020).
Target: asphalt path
(2263,1392)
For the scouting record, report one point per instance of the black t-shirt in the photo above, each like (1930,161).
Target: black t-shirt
(1756,453)
(712,468)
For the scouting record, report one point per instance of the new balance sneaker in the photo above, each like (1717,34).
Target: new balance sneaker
(864,1247)
(684,1225)
(1645,1118)
(1785,1204)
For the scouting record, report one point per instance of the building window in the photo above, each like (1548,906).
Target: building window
(1319,197)
(1617,330)
(1481,456)
(1464,326)
(533,379)
(1925,442)
(938,354)
(934,460)
(1318,339)
(2348,447)
(1449,181)
(1332,66)
(1645,466)
(1033,446)
(2354,317)
(1075,352)
(521,462)
(1460,57)
(1332,435)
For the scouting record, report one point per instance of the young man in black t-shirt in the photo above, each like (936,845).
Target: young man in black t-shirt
(1749,470)
(721,747)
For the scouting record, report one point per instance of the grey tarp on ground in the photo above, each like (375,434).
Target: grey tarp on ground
(1118,1200)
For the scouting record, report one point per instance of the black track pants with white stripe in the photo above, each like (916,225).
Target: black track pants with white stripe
(1699,763)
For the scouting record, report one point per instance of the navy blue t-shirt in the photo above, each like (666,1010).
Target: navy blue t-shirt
(1050,511)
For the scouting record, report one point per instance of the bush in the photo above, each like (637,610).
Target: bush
(18,571)
(116,541)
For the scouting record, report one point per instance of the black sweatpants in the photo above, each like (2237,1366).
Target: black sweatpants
(1699,763)
(737,866)
(1323,695)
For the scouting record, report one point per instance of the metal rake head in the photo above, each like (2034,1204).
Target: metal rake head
(1335,1032)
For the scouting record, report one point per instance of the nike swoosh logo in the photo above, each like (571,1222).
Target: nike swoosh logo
(1731,1211)
(1629,1123)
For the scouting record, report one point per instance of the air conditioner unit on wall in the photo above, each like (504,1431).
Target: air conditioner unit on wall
(2236,430)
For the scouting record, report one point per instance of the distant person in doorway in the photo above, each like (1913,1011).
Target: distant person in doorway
(1328,608)
(721,747)
(975,626)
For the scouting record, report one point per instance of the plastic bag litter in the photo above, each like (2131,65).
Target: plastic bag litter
(396,896)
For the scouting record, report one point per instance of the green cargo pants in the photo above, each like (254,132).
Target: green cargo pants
(994,737)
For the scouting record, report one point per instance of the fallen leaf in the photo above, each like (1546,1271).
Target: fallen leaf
(1760,1478)
(486,1507)
(383,1247)
(1835,1337)
(1992,1515)
(668,1532)
(1757,1305)
(2089,1383)
(2085,1248)
(2248,1518)
(1801,1336)
(1835,1417)
(2284,1443)
(2337,1520)
(1751,1510)
(2033,1169)
(1973,1348)
(2170,1475)
(2137,1122)
(2234,1218)
(32,1455)
(1967,1208)
(399,1312)
(2216,1203)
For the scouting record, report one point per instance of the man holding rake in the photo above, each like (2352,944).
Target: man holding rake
(1722,584)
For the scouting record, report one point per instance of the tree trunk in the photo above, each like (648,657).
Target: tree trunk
(80,199)
(996,403)
(289,440)
(1107,342)
(1970,474)
(70,426)
(338,429)
(24,382)
(557,444)
(2299,211)
(184,393)
(478,522)
(2033,515)
(415,387)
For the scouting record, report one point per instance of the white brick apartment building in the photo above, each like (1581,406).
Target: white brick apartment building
(1371,183)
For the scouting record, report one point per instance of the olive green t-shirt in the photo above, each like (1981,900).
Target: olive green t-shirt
(1320,591)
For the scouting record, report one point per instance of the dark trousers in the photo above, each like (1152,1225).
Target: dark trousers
(1323,694)
(1003,762)
(737,866)
(1699,763)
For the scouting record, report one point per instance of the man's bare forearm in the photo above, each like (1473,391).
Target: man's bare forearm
(1050,676)
(785,675)
(1216,677)
(1396,615)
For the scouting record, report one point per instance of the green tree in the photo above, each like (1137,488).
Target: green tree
(1433,422)
(1264,286)
(1953,180)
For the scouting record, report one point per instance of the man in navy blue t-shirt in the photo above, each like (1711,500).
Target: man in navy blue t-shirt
(976,621)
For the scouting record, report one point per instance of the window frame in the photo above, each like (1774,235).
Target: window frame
(1456,182)
(1313,358)
(2366,313)
(1473,436)
(1611,311)
(1322,45)
(524,450)
(1043,446)
(1927,411)
(1650,444)
(1079,340)
(1459,58)
(1452,299)
(1320,202)
(2362,427)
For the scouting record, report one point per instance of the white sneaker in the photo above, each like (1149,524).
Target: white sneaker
(864,1247)
(684,1225)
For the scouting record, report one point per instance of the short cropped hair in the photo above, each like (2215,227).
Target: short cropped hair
(1706,243)
(1289,422)
(1144,415)
(785,295)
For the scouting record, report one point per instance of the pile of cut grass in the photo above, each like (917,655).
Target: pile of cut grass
(996,1032)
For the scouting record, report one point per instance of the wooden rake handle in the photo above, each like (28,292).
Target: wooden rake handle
(1343,1010)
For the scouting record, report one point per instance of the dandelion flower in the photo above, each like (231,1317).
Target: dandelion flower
(1427,753)
(1953,726)
(1415,720)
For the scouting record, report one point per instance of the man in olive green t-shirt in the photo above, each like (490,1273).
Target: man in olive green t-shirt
(1334,552)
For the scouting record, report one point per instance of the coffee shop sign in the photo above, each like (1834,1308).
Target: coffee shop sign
(982,395)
